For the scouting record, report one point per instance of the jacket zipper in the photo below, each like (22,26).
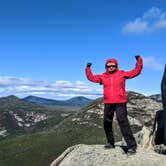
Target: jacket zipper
(111,87)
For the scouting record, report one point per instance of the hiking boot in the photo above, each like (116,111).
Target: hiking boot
(131,151)
(109,146)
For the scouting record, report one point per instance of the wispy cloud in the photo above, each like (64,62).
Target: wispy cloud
(58,90)
(153,63)
(151,20)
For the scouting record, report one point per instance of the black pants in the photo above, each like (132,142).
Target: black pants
(121,114)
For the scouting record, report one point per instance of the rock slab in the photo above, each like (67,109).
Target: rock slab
(97,155)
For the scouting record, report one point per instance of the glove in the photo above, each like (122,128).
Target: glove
(89,65)
(137,56)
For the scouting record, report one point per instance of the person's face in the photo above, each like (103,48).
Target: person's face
(111,68)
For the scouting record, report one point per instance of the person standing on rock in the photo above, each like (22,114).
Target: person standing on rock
(113,81)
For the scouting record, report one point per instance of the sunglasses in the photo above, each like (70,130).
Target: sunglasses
(113,66)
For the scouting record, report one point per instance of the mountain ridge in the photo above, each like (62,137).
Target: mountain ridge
(78,101)
(156,97)
(18,117)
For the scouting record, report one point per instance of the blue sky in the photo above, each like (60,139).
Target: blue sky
(45,45)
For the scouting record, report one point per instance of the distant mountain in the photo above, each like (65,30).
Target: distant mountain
(75,102)
(156,97)
(19,117)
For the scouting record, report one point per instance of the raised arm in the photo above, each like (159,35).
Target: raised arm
(90,76)
(137,70)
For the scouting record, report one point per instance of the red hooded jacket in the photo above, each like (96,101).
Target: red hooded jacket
(114,84)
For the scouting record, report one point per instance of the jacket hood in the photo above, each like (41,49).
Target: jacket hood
(111,60)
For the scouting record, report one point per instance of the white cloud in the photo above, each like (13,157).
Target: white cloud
(161,24)
(58,90)
(153,63)
(138,26)
(6,81)
(150,21)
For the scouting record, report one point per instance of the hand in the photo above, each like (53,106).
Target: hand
(137,56)
(89,64)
